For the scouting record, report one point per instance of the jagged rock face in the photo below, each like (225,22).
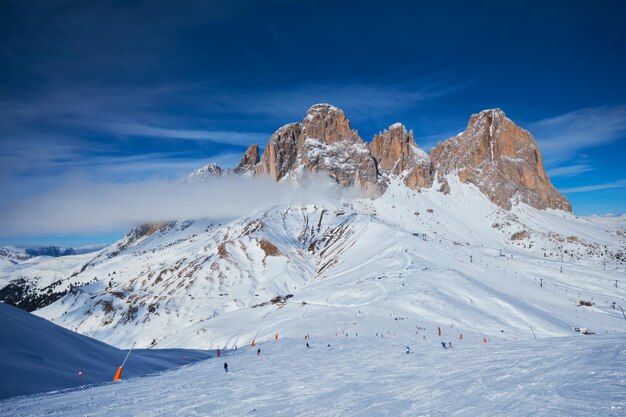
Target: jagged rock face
(397,153)
(329,124)
(493,153)
(322,142)
(281,153)
(249,160)
(501,159)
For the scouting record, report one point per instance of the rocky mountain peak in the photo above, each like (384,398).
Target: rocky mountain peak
(322,142)
(328,124)
(204,173)
(396,153)
(249,160)
(501,159)
(392,148)
(493,153)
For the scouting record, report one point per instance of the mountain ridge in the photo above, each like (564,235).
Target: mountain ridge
(493,153)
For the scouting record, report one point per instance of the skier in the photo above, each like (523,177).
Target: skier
(408,350)
(450,345)
(258,352)
(307,345)
(443,345)
(225,367)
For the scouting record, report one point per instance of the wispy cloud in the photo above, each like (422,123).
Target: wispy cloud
(563,137)
(361,100)
(225,137)
(569,170)
(78,206)
(133,113)
(596,187)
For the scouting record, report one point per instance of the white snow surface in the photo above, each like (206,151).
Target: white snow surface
(39,356)
(399,266)
(420,257)
(366,375)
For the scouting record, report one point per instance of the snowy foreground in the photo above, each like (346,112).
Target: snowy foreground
(369,376)
(37,356)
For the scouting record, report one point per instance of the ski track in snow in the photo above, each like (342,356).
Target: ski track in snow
(399,266)
(369,376)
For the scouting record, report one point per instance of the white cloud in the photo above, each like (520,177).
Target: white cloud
(226,137)
(596,187)
(79,206)
(569,170)
(363,100)
(563,137)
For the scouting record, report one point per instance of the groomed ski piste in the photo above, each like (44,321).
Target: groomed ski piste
(370,278)
(39,356)
(369,376)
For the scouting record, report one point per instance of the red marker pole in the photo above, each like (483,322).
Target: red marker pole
(80,377)
(218,352)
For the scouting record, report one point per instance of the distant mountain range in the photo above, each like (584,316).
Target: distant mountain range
(22,253)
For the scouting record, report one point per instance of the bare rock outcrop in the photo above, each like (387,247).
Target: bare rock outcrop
(249,160)
(397,153)
(322,142)
(501,159)
(493,153)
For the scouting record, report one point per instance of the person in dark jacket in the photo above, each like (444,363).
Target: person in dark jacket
(225,367)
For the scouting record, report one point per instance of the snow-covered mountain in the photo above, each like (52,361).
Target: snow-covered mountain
(472,236)
(17,254)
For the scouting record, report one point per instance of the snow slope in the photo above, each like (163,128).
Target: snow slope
(417,258)
(370,376)
(39,356)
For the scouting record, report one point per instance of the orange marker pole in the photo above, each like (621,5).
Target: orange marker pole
(118,374)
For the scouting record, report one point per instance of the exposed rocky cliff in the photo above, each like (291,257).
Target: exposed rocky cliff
(493,153)
(501,159)
(249,160)
(322,142)
(396,153)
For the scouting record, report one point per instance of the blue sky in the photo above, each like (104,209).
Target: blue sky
(116,91)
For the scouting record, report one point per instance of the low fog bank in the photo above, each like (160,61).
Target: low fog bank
(81,206)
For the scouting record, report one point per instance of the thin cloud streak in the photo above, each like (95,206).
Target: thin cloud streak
(563,137)
(225,137)
(569,170)
(365,101)
(596,187)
